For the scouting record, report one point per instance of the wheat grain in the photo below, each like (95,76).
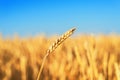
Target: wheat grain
(54,46)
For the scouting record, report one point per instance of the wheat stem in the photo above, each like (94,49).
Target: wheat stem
(54,46)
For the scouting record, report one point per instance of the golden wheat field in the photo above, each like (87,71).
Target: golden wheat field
(84,57)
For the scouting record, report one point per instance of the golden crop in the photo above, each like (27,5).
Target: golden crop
(78,58)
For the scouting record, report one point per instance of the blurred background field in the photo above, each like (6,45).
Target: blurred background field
(84,57)
(81,57)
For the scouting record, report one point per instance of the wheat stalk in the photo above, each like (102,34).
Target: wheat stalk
(54,46)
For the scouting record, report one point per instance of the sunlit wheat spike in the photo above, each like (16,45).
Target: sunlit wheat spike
(60,40)
(54,46)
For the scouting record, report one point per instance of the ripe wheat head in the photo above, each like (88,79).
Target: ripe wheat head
(54,46)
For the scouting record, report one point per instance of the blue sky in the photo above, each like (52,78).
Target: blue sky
(34,17)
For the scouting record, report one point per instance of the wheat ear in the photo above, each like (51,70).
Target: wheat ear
(54,46)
